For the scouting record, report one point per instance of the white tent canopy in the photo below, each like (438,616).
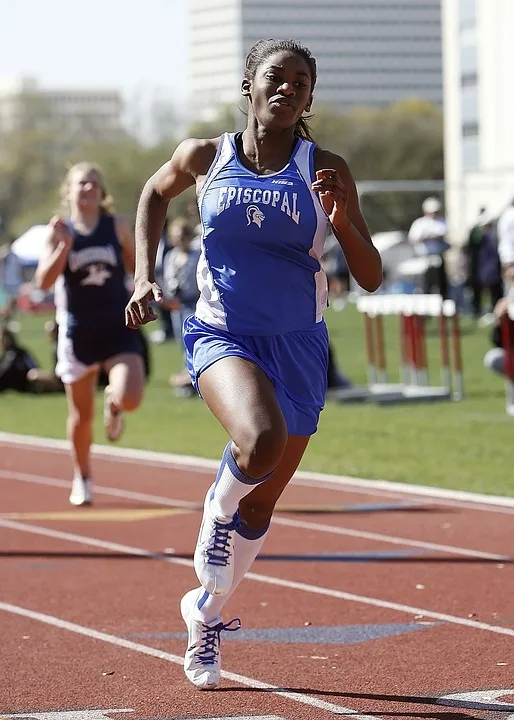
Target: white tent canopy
(29,246)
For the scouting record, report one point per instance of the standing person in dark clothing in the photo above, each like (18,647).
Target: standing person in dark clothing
(181,289)
(166,332)
(484,268)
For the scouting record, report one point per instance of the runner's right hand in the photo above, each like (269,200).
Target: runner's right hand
(61,236)
(138,311)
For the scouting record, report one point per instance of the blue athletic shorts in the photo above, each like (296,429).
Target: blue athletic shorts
(295,362)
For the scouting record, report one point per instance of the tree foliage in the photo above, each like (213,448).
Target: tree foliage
(403,141)
(400,142)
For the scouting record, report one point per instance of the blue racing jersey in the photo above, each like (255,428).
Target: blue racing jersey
(259,271)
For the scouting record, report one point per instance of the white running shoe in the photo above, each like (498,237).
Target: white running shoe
(114,421)
(81,491)
(202,660)
(214,552)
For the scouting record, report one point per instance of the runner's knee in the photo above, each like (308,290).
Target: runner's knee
(260,448)
(80,416)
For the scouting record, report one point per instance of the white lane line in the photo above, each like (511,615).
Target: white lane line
(267,579)
(277,520)
(177,660)
(99,489)
(343,483)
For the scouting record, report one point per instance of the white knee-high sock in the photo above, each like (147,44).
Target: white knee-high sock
(247,545)
(231,486)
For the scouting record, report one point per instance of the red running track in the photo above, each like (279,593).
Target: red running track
(365,602)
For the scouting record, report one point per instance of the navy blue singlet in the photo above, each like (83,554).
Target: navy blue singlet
(90,296)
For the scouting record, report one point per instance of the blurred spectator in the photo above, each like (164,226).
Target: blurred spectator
(428,236)
(334,264)
(193,218)
(15,363)
(494,358)
(180,287)
(11,278)
(44,381)
(484,270)
(505,230)
(457,271)
(145,354)
(166,330)
(335,377)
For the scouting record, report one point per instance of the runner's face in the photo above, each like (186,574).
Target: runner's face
(85,190)
(281,90)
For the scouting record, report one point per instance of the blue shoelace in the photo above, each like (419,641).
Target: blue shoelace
(208,652)
(218,553)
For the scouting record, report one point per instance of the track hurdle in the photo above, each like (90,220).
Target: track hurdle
(412,312)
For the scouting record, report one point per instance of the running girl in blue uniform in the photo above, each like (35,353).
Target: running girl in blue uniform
(257,344)
(87,256)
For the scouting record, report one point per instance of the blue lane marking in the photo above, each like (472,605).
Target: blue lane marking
(381,507)
(359,556)
(394,506)
(338,635)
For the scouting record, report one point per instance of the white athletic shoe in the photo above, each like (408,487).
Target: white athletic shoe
(202,661)
(81,491)
(114,421)
(214,552)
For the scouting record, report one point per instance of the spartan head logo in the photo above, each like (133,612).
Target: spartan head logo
(254,214)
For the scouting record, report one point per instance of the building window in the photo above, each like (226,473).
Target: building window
(468,59)
(468,13)
(468,80)
(470,129)
(469,105)
(470,153)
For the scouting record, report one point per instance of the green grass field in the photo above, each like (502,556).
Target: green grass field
(464,445)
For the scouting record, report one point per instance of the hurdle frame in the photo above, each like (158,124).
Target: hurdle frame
(414,385)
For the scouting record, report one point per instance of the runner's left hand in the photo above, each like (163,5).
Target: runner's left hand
(333,195)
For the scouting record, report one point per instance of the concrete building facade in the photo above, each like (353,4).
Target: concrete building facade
(478,57)
(368,52)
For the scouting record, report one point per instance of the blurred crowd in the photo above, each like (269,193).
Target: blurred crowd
(478,276)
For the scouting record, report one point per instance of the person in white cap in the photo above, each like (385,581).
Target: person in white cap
(428,235)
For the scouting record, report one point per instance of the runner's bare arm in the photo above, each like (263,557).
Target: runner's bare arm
(190,160)
(55,254)
(339,198)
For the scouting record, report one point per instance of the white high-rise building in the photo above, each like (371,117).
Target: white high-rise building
(368,52)
(478,57)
